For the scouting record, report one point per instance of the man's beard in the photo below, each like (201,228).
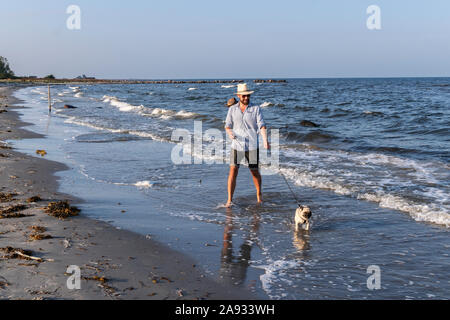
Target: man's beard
(245,102)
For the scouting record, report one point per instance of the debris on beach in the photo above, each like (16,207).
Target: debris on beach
(7,197)
(180,293)
(61,210)
(96,278)
(41,152)
(37,229)
(66,243)
(34,199)
(111,291)
(156,279)
(3,283)
(17,253)
(38,233)
(13,212)
(39,236)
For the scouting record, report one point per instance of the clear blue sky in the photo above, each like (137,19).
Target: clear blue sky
(226,39)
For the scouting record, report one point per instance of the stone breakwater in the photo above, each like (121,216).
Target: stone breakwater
(108,81)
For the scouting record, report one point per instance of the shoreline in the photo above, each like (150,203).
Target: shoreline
(115,264)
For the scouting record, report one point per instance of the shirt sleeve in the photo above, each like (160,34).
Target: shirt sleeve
(229,120)
(260,119)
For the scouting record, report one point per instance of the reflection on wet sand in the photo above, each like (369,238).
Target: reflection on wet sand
(301,240)
(233,266)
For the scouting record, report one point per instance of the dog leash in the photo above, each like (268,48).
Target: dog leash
(285,180)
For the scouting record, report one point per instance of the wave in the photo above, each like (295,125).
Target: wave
(143,184)
(275,277)
(266,104)
(143,134)
(355,178)
(373,113)
(123,106)
(161,113)
(140,184)
(228,86)
(100,137)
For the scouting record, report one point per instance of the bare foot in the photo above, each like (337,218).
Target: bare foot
(228,204)
(260,199)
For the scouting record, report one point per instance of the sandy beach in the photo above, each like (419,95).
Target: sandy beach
(114,264)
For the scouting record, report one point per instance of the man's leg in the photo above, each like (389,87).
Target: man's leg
(234,170)
(257,180)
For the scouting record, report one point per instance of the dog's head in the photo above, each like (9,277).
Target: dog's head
(303,214)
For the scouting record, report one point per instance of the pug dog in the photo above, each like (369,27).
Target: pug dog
(302,216)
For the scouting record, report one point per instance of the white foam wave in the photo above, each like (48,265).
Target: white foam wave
(276,273)
(123,106)
(191,89)
(144,134)
(161,113)
(435,212)
(266,104)
(143,184)
(228,86)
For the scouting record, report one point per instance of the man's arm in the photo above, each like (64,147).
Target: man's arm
(229,124)
(262,128)
(264,136)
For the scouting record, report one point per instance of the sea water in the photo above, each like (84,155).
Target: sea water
(375,172)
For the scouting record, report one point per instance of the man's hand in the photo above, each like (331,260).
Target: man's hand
(267,145)
(230,133)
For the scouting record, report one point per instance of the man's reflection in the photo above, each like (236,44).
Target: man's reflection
(234,266)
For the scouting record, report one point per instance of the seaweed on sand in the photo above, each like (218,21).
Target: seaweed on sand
(34,199)
(13,212)
(7,197)
(39,236)
(61,210)
(38,233)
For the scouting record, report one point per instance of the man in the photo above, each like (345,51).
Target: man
(243,124)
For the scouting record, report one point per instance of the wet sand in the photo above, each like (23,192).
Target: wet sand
(114,264)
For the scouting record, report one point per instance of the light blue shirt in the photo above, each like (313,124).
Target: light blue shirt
(246,126)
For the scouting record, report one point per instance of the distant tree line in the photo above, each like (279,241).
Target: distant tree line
(5,70)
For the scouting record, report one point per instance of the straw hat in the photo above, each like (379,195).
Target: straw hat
(243,89)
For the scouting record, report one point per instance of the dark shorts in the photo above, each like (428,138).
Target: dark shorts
(251,158)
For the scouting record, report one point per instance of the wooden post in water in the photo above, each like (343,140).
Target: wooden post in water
(49,101)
